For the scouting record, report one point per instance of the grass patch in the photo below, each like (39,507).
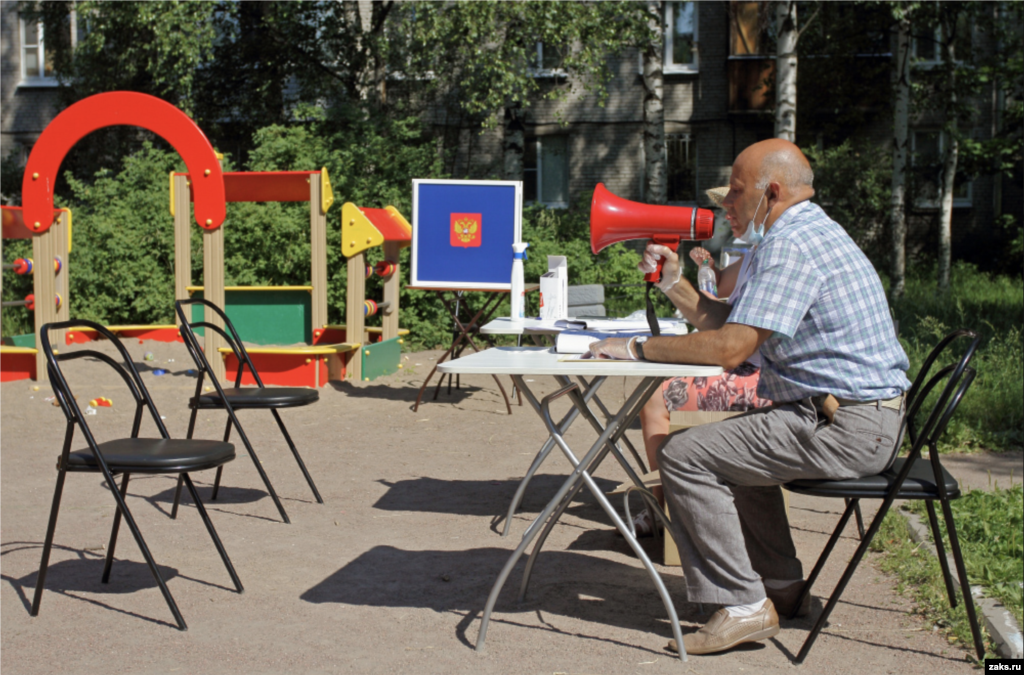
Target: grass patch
(989,524)
(992,413)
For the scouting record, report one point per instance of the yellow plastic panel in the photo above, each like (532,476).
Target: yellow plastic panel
(326,194)
(357,232)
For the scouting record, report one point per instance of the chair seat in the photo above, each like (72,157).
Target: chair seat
(154,455)
(259,397)
(920,484)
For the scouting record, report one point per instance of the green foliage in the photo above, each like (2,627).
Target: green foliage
(992,413)
(122,257)
(853,181)
(990,527)
(919,576)
(488,50)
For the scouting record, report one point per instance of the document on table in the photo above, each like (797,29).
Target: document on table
(579,341)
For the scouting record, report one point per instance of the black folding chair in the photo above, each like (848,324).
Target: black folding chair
(238,397)
(906,478)
(125,456)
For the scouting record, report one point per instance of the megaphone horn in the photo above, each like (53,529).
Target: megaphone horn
(613,219)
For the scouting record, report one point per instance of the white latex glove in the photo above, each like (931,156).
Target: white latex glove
(612,348)
(698,255)
(671,271)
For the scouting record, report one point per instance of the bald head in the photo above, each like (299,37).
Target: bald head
(777,161)
(774,172)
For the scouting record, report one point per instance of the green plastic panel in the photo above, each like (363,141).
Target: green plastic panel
(267,317)
(28,340)
(383,358)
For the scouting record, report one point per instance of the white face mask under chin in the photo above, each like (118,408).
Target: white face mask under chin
(755,234)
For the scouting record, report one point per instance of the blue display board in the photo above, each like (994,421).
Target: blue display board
(463,231)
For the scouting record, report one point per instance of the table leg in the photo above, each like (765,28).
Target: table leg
(629,410)
(488,309)
(485,311)
(609,447)
(608,416)
(545,450)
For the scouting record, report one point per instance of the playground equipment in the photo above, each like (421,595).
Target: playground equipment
(19,357)
(38,219)
(266,315)
(328,350)
(362,229)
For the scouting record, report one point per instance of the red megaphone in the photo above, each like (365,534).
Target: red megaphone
(613,219)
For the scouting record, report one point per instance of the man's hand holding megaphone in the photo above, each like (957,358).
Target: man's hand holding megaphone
(671,270)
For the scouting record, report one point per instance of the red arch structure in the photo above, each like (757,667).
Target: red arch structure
(118,108)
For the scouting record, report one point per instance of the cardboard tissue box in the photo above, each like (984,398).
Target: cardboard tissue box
(554,289)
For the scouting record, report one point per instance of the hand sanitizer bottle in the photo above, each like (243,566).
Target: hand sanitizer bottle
(518,285)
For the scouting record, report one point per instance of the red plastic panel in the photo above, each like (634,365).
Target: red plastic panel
(14,226)
(286,370)
(115,109)
(387,225)
(15,367)
(266,186)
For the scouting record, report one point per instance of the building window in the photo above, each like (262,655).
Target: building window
(681,55)
(928,155)
(682,167)
(751,64)
(927,44)
(37,62)
(546,171)
(547,61)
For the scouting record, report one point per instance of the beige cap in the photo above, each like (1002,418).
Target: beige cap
(717,195)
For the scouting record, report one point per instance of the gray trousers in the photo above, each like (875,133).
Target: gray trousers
(722,483)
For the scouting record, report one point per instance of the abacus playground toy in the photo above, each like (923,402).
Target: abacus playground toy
(362,229)
(19,357)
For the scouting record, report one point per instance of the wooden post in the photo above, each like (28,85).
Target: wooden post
(391,291)
(62,246)
(318,251)
(354,320)
(213,290)
(44,286)
(182,210)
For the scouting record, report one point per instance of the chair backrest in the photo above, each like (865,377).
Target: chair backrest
(958,377)
(233,341)
(66,398)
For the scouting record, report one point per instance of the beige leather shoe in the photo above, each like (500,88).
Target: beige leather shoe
(725,632)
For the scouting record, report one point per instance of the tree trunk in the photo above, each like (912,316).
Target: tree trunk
(901,85)
(655,151)
(785,70)
(514,143)
(951,150)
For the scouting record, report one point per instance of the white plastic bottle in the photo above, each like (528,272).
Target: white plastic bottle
(518,285)
(706,278)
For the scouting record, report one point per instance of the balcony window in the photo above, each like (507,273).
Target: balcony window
(36,64)
(751,64)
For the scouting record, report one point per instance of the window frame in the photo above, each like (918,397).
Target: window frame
(670,67)
(695,154)
(538,70)
(41,81)
(931,204)
(538,172)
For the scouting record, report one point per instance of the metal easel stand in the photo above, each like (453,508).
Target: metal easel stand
(606,442)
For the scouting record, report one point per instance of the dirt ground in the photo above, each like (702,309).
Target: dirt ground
(392,572)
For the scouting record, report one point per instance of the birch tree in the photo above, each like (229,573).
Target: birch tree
(951,151)
(901,121)
(655,150)
(785,70)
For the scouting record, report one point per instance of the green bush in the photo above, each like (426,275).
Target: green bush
(992,413)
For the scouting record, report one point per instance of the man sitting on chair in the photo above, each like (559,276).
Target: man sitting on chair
(815,310)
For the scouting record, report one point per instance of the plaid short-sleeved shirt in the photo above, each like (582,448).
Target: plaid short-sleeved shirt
(818,292)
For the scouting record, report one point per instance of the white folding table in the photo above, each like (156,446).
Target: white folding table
(538,330)
(519,362)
